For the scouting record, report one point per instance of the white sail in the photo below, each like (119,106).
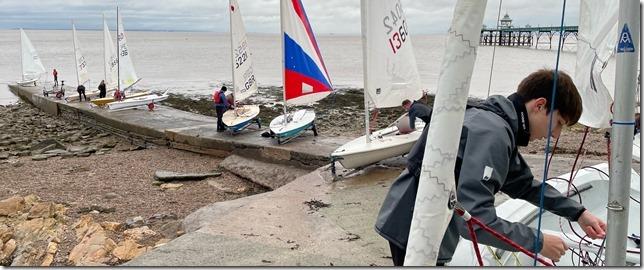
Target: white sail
(82,75)
(596,43)
(109,54)
(244,84)
(32,67)
(127,73)
(436,185)
(391,71)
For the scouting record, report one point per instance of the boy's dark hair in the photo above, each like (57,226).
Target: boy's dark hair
(405,102)
(539,85)
(223,89)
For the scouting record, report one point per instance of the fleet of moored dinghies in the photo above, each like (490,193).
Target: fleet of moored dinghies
(306,79)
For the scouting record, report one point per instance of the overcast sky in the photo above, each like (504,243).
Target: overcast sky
(327,16)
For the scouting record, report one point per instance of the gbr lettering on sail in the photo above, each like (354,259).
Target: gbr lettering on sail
(396,28)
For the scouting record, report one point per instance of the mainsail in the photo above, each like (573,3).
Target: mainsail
(391,74)
(32,67)
(596,44)
(109,56)
(306,79)
(244,84)
(127,74)
(436,191)
(82,75)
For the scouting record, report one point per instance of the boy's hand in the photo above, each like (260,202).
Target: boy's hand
(592,225)
(553,247)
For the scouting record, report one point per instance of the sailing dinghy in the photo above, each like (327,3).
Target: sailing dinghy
(32,67)
(244,84)
(306,79)
(119,70)
(82,74)
(390,76)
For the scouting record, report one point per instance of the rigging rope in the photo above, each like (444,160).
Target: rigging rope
(498,17)
(547,148)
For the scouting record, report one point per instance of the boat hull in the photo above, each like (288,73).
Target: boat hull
(593,185)
(299,121)
(241,117)
(27,83)
(136,101)
(106,100)
(385,143)
(636,146)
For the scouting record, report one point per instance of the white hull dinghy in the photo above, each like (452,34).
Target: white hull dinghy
(137,101)
(294,125)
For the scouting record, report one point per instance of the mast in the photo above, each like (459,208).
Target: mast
(282,14)
(365,76)
(75,58)
(22,63)
(104,50)
(232,49)
(118,54)
(622,132)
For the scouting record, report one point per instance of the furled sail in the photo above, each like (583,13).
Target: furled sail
(436,189)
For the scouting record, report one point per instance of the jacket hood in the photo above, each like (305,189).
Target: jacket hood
(503,107)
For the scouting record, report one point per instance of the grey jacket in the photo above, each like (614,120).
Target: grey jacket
(488,139)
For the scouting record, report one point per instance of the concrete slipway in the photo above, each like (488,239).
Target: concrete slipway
(311,221)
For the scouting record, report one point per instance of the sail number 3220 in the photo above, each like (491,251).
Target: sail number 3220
(397,24)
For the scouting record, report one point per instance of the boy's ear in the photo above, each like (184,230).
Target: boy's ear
(540,103)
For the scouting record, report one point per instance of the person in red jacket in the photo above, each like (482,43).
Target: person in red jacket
(55,73)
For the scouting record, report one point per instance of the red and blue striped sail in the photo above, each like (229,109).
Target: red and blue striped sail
(306,79)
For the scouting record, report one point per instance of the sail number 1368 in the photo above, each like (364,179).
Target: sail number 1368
(397,24)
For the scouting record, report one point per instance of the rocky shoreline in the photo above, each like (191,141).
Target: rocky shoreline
(73,195)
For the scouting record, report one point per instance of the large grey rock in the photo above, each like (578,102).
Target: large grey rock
(266,174)
(46,145)
(167,176)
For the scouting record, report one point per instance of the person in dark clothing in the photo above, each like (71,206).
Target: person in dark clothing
(81,91)
(491,134)
(102,91)
(417,109)
(221,105)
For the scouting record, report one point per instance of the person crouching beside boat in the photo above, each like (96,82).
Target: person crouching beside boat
(81,91)
(488,161)
(415,109)
(221,105)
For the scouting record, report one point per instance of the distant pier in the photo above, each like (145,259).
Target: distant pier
(505,34)
(526,36)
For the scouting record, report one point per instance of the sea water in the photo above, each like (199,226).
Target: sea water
(196,63)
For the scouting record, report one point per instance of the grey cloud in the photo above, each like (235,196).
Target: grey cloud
(327,16)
